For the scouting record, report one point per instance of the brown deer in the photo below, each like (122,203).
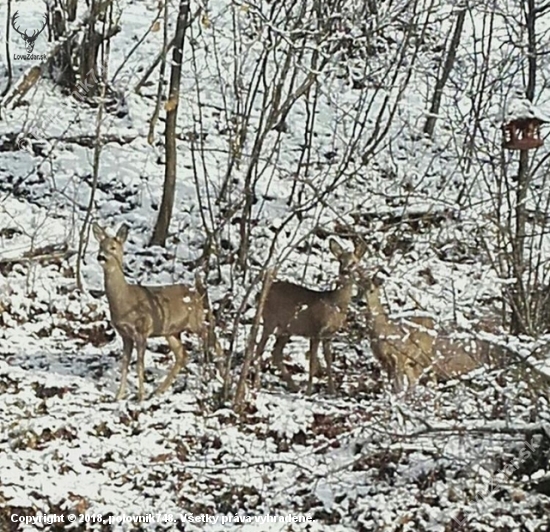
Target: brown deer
(294,310)
(453,356)
(141,312)
(409,349)
(402,349)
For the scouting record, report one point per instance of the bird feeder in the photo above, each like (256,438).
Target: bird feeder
(522,134)
(521,129)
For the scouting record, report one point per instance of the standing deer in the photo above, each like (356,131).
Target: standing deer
(409,349)
(141,312)
(401,349)
(294,310)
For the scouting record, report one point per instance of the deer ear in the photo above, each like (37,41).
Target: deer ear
(360,249)
(122,233)
(99,232)
(377,280)
(335,248)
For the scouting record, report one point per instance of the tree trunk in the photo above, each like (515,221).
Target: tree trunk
(61,67)
(429,126)
(71,7)
(521,319)
(88,60)
(8,53)
(165,213)
(75,67)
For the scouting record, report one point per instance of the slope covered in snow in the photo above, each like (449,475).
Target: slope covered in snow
(297,121)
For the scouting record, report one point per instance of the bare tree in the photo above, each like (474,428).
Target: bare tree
(516,185)
(160,232)
(445,73)
(103,82)
(161,80)
(520,298)
(75,62)
(8,54)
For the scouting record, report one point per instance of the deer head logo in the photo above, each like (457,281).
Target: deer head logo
(29,39)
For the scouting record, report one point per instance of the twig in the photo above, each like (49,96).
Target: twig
(162,74)
(250,348)
(250,465)
(138,44)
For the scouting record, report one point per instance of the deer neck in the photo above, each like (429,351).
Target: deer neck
(344,291)
(116,288)
(377,317)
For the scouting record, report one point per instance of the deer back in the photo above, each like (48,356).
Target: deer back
(296,310)
(456,356)
(144,311)
(156,311)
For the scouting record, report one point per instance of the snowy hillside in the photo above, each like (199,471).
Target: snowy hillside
(297,121)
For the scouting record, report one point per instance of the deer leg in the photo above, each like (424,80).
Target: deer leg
(127,346)
(260,348)
(140,348)
(397,383)
(177,348)
(413,370)
(316,368)
(257,363)
(395,373)
(327,352)
(277,357)
(313,348)
(277,353)
(319,370)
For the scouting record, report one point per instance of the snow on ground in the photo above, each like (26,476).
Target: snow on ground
(438,459)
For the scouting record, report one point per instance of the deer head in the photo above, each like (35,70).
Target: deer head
(110,248)
(348,260)
(29,39)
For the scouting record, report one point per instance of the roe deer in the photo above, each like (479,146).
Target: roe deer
(402,349)
(407,350)
(141,312)
(454,356)
(294,310)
